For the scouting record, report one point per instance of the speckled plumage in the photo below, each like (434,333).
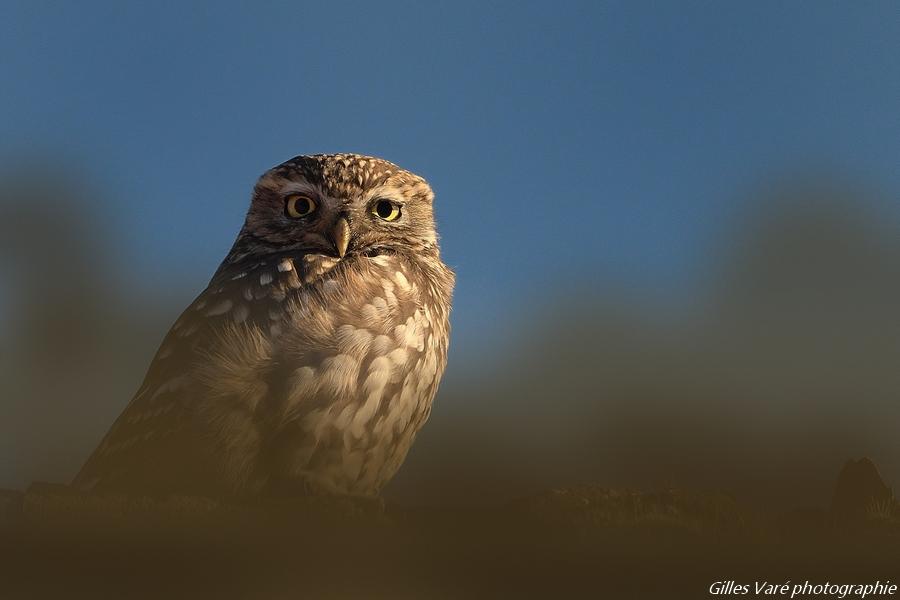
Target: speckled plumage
(297,369)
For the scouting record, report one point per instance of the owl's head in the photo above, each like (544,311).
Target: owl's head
(339,205)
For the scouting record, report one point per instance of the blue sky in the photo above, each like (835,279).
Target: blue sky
(565,140)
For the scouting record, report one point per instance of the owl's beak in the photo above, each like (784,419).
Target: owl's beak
(340,236)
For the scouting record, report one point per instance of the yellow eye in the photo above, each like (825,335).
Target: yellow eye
(387,210)
(298,205)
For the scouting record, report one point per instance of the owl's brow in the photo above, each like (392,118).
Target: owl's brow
(290,186)
(385,191)
(400,194)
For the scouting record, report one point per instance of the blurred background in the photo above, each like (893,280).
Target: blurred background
(675,226)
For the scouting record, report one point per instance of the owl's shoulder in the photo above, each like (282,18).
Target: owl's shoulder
(249,313)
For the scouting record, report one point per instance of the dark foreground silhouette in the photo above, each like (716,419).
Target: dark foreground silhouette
(670,543)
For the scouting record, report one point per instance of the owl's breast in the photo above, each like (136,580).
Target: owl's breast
(362,348)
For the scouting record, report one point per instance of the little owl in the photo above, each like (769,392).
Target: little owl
(311,360)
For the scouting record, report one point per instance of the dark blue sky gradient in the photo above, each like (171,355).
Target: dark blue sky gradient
(608,140)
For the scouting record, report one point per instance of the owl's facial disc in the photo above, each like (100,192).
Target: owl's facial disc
(340,206)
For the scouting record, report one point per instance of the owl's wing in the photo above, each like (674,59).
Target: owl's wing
(213,361)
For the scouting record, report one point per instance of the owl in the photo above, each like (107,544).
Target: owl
(311,360)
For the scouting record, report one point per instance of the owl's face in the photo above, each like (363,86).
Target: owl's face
(340,205)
